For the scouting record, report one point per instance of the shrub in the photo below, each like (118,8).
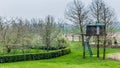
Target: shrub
(48,55)
(60,43)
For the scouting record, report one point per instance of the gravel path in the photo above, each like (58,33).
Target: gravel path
(115,56)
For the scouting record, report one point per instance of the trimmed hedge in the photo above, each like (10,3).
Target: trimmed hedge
(4,59)
(51,48)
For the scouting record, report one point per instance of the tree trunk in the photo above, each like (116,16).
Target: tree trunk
(83,42)
(83,46)
(79,38)
(104,49)
(97,46)
(72,37)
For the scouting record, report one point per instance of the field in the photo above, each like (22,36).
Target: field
(72,60)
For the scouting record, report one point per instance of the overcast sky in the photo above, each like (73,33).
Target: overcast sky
(42,8)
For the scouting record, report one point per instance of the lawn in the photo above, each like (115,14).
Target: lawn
(72,60)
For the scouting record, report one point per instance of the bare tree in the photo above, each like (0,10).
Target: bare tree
(101,13)
(96,11)
(108,18)
(77,13)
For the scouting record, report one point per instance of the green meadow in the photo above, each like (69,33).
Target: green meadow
(72,60)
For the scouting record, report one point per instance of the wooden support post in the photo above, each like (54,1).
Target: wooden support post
(97,46)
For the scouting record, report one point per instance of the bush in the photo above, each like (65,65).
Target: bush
(48,55)
(60,43)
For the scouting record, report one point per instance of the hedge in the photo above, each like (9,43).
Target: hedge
(50,48)
(48,55)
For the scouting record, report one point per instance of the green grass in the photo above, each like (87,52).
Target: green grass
(27,51)
(72,60)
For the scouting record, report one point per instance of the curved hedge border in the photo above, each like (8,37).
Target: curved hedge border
(4,59)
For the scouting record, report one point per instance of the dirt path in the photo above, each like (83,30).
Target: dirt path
(115,56)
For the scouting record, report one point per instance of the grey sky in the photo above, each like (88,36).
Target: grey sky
(41,8)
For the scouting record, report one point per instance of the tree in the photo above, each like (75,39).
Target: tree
(20,34)
(96,12)
(108,18)
(49,31)
(4,28)
(100,12)
(77,13)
